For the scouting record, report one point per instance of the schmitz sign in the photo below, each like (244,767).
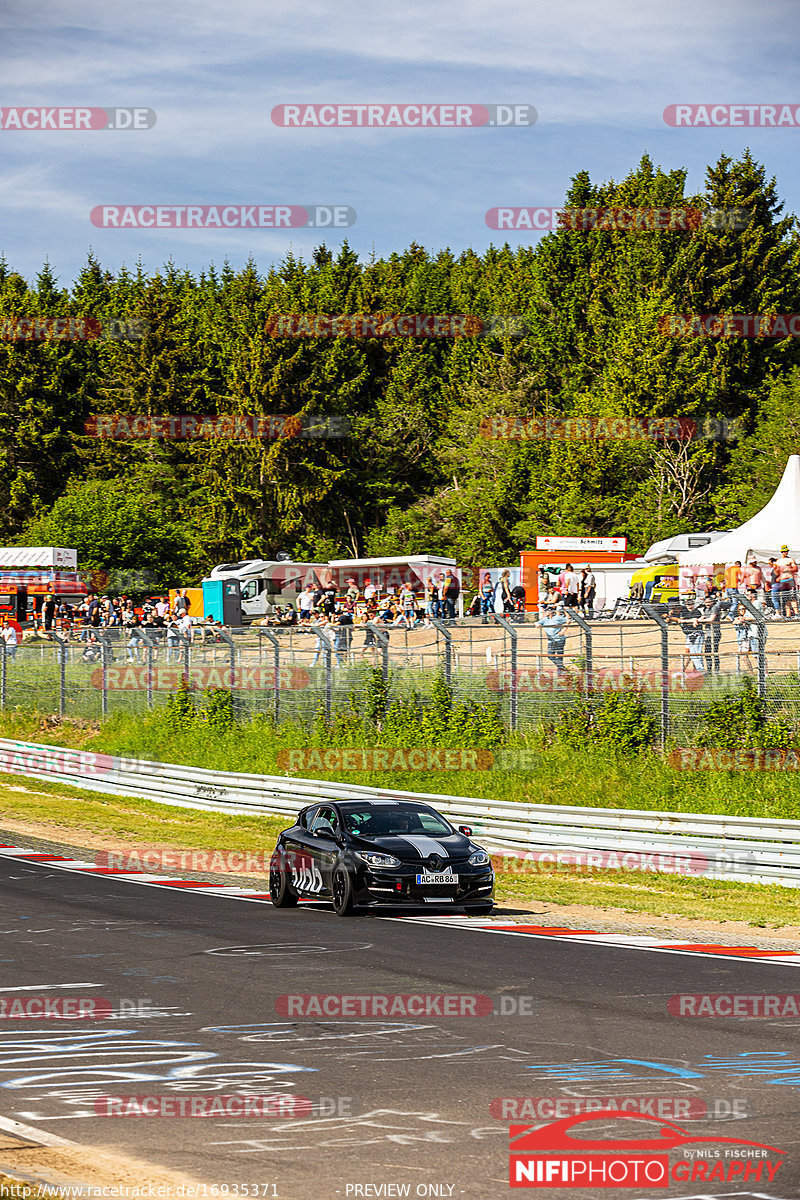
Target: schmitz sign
(582,543)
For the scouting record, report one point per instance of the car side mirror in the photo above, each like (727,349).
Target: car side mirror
(466,830)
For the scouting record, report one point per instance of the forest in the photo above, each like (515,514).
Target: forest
(433,444)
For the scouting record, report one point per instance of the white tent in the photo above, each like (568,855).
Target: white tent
(778,524)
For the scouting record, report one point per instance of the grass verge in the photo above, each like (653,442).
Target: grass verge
(67,814)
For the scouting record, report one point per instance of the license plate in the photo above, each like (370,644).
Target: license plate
(440,878)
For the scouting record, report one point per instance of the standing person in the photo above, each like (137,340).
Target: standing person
(342,635)
(553,624)
(186,626)
(787,573)
(450,593)
(774,581)
(48,612)
(438,597)
(352,590)
(711,621)
(93,611)
(408,602)
(503,599)
(588,591)
(733,577)
(305,602)
(430,599)
(329,599)
(370,591)
(571,585)
(754,582)
(321,624)
(173,639)
(9,636)
(181,604)
(689,618)
(746,641)
(487,597)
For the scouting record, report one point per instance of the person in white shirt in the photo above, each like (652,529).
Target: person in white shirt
(570,583)
(305,601)
(185,625)
(9,636)
(369,590)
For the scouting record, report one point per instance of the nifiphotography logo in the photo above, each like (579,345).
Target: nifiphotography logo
(558,1156)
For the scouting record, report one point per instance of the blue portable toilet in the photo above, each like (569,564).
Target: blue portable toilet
(222,600)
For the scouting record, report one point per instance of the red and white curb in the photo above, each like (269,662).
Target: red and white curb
(789,958)
(631,941)
(61,863)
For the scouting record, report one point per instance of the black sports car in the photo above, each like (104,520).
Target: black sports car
(379,852)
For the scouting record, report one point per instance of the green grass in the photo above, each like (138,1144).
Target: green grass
(591,777)
(588,777)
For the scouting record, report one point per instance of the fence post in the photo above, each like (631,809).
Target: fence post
(512,632)
(762,643)
(656,616)
(62,647)
(149,647)
(276,650)
(105,648)
(587,635)
(3,668)
(383,641)
(448,648)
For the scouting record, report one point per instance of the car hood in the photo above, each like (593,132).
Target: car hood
(417,847)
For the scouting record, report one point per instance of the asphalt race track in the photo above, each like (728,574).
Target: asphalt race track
(401,1105)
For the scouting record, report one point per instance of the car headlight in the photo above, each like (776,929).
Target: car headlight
(479,859)
(378,860)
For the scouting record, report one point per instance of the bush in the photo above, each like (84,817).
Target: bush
(740,720)
(620,721)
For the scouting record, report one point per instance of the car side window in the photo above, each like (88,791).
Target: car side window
(308,819)
(325,819)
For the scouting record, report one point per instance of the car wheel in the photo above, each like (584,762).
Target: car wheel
(342,889)
(280,891)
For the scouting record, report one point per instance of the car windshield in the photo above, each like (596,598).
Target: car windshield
(394,820)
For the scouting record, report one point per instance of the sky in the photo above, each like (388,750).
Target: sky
(599,74)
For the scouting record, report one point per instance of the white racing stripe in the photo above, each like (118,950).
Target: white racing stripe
(425,845)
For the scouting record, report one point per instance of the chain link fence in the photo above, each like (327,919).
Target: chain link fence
(294,673)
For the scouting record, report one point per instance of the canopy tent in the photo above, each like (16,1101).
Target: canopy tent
(778,524)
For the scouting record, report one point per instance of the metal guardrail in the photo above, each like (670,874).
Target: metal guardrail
(747,849)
